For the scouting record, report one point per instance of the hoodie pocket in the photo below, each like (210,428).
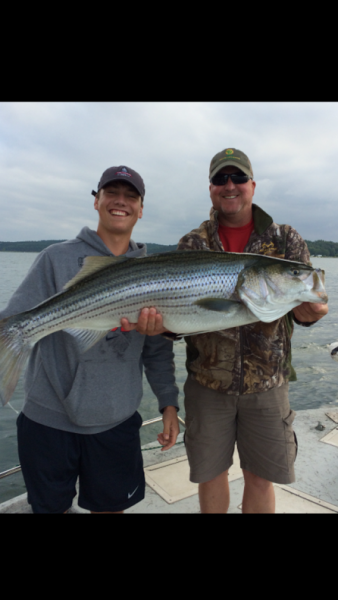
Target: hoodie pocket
(103,393)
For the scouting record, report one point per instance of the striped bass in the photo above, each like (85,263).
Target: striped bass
(195,291)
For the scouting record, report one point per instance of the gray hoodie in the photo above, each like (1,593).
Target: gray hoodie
(92,391)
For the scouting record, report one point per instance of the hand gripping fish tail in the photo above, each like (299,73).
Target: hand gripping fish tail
(195,291)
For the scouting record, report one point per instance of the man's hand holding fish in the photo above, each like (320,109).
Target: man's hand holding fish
(308,312)
(150,322)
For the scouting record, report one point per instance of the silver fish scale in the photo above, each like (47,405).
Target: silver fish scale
(149,288)
(130,285)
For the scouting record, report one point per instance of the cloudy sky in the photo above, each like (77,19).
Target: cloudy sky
(53,154)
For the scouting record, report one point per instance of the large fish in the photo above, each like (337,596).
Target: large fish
(195,291)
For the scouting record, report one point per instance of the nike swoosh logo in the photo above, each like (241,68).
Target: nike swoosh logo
(130,495)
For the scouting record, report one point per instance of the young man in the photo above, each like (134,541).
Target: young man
(237,385)
(80,414)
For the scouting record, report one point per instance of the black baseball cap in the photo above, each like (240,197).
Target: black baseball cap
(121,173)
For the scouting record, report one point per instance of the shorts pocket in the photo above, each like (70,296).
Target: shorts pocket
(290,437)
(190,426)
(296,442)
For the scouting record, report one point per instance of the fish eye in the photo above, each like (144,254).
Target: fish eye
(295,271)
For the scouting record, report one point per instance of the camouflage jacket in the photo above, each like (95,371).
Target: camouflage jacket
(256,357)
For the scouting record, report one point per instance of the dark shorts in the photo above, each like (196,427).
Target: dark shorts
(260,424)
(109,466)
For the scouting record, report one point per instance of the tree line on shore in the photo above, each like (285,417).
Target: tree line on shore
(323,248)
(38,246)
(319,247)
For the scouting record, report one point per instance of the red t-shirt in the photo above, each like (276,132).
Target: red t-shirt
(234,239)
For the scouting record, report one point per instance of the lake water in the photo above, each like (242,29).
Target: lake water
(317,373)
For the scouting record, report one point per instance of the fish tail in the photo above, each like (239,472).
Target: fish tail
(13,358)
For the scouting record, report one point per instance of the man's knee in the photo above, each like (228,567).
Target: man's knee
(215,482)
(256,482)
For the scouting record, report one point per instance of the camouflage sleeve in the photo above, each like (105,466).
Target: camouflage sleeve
(296,247)
(197,239)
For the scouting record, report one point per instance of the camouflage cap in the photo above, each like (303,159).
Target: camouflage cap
(230,156)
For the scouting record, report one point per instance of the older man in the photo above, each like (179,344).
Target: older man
(237,384)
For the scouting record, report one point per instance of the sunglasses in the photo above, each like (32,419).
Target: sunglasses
(222,179)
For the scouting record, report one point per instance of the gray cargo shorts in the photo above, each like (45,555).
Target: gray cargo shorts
(261,424)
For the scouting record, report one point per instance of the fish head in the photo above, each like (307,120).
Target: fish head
(271,289)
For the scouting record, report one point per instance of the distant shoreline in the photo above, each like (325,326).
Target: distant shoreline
(42,244)
(320,248)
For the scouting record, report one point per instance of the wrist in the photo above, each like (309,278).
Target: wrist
(169,409)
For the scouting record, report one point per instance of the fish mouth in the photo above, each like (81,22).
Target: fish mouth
(316,282)
(323,296)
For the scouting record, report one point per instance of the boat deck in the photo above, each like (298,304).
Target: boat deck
(169,490)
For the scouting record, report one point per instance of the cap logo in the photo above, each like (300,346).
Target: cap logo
(229,154)
(124,172)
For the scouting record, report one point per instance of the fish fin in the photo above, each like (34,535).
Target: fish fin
(93,264)
(216,304)
(86,338)
(13,359)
